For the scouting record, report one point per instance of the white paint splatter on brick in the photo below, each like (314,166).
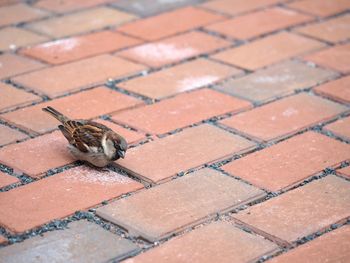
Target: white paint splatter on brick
(196,82)
(289,112)
(61,45)
(272,79)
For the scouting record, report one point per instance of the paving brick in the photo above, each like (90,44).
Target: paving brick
(13,97)
(180,111)
(170,23)
(345,171)
(217,242)
(268,50)
(3,240)
(83,241)
(174,49)
(180,78)
(8,2)
(284,117)
(6,180)
(74,48)
(59,6)
(340,127)
(83,105)
(13,14)
(321,8)
(302,211)
(274,81)
(274,168)
(333,30)
(8,135)
(12,38)
(331,247)
(336,57)
(258,23)
(78,75)
(338,89)
(59,196)
(36,156)
(157,161)
(83,21)
(180,203)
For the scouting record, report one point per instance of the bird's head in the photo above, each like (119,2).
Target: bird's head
(115,146)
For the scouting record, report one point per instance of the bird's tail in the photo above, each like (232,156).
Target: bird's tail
(59,116)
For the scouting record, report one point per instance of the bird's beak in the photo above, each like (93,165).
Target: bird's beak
(121,154)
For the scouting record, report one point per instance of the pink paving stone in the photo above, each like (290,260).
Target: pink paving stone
(338,89)
(63,6)
(217,242)
(287,163)
(284,117)
(180,78)
(180,111)
(35,156)
(75,48)
(340,128)
(83,105)
(321,8)
(77,75)
(170,23)
(300,212)
(8,135)
(345,171)
(3,240)
(59,196)
(6,180)
(158,160)
(173,49)
(180,203)
(336,57)
(330,247)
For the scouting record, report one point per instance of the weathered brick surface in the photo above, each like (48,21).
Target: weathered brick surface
(3,240)
(302,211)
(180,203)
(82,241)
(59,6)
(180,111)
(8,135)
(340,128)
(289,162)
(338,89)
(193,147)
(345,171)
(320,8)
(284,117)
(217,242)
(6,180)
(59,196)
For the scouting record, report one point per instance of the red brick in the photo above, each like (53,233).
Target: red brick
(275,81)
(8,135)
(36,156)
(284,117)
(191,148)
(217,242)
(12,65)
(13,97)
(74,48)
(301,212)
(6,180)
(336,57)
(268,50)
(79,22)
(78,75)
(13,14)
(180,203)
(12,38)
(274,168)
(59,196)
(3,240)
(344,171)
(174,49)
(331,247)
(180,78)
(59,6)
(258,23)
(333,30)
(170,23)
(8,2)
(84,105)
(82,241)
(235,7)
(340,127)
(321,8)
(180,111)
(338,89)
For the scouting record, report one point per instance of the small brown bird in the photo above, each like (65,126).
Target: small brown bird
(90,141)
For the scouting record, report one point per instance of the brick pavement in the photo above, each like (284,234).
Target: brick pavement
(238,117)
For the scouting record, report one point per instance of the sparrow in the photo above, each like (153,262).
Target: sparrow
(90,141)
